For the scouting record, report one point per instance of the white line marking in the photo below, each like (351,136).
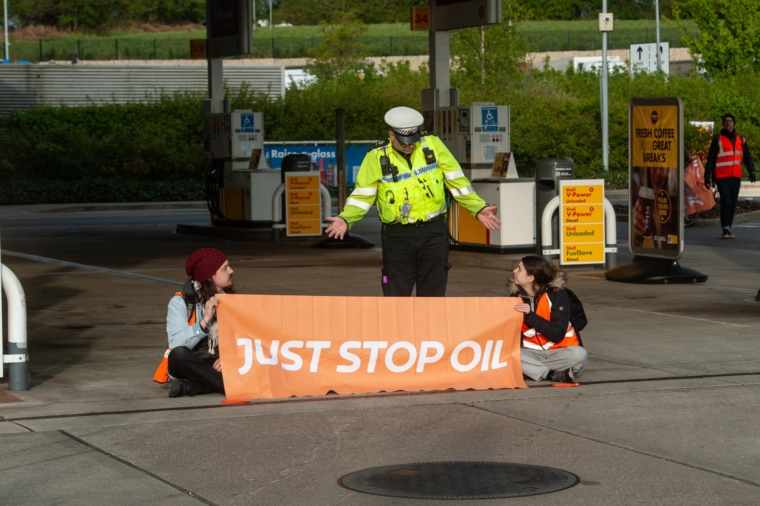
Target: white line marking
(103,270)
(728,288)
(679,316)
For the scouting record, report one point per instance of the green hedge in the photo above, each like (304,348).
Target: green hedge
(57,154)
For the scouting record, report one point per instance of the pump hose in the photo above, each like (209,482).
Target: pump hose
(213,188)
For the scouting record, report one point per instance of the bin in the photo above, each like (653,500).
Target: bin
(295,163)
(548,174)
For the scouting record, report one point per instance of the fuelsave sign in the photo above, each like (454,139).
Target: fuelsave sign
(275,346)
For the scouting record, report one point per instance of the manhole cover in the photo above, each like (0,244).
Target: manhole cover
(459,480)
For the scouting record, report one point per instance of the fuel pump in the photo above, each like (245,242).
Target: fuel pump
(240,185)
(478,136)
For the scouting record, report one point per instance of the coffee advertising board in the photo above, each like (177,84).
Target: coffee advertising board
(655,177)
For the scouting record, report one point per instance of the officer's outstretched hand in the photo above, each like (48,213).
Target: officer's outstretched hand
(338,228)
(487,216)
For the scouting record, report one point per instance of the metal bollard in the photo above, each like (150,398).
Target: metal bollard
(547,235)
(17,357)
(610,258)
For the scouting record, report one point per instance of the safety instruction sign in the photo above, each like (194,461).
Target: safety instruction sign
(582,221)
(303,202)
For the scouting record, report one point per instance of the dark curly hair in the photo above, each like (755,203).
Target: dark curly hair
(208,290)
(542,271)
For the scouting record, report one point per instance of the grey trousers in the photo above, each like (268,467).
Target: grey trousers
(536,364)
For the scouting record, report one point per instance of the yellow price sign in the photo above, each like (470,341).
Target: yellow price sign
(304,212)
(303,183)
(583,214)
(583,253)
(304,227)
(303,198)
(583,233)
(583,194)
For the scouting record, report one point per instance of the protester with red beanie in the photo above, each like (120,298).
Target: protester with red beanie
(193,363)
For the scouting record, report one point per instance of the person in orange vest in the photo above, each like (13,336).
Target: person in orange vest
(551,348)
(192,365)
(724,169)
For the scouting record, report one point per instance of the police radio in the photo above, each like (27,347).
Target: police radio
(388,168)
(429,155)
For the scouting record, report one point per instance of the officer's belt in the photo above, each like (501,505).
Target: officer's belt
(418,222)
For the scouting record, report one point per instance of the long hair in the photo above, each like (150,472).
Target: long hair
(542,271)
(207,290)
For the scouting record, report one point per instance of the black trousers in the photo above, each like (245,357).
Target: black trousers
(415,254)
(728,187)
(184,363)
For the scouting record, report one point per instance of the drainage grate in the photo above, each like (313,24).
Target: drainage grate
(459,480)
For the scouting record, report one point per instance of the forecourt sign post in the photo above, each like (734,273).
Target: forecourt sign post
(655,194)
(582,211)
(275,346)
(304,204)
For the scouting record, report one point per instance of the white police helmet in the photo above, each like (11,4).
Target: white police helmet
(405,123)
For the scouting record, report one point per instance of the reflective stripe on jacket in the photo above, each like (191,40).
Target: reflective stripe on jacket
(162,372)
(421,186)
(534,340)
(729,160)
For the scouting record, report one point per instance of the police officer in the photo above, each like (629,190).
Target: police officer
(406,177)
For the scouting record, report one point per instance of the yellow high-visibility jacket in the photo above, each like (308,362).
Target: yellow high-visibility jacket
(422,185)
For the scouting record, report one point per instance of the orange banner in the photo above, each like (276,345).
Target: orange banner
(275,346)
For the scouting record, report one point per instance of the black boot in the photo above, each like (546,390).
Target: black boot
(198,389)
(181,386)
(565,376)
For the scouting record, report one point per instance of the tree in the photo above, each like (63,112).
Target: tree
(730,38)
(555,9)
(485,57)
(340,51)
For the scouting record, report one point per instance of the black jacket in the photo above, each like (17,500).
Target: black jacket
(555,328)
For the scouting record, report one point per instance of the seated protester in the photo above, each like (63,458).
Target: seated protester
(194,365)
(551,350)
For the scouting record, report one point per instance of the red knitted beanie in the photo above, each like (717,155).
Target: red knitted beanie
(204,263)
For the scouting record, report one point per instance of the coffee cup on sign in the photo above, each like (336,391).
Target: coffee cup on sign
(644,206)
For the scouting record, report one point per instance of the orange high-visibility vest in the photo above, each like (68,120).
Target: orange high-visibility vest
(162,372)
(532,339)
(729,161)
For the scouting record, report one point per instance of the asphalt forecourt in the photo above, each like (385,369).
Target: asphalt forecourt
(664,414)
